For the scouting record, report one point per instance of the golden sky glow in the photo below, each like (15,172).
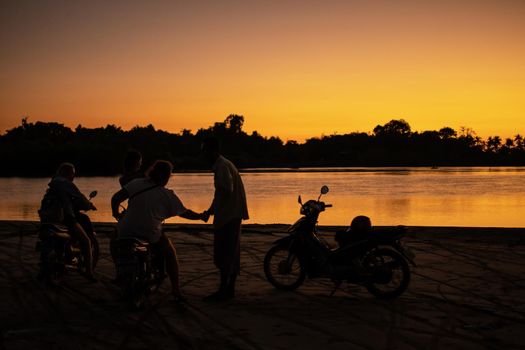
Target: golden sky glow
(295,69)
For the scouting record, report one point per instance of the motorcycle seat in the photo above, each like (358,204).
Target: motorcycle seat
(53,226)
(53,230)
(388,234)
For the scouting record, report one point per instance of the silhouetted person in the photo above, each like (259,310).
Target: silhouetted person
(72,201)
(150,203)
(132,165)
(131,171)
(228,208)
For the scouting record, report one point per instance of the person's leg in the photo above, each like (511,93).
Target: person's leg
(227,259)
(230,290)
(86,224)
(218,260)
(225,278)
(235,253)
(172,264)
(78,232)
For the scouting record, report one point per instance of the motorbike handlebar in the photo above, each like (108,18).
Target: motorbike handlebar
(328,205)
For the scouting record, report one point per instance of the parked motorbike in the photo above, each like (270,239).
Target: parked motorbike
(377,261)
(140,270)
(60,252)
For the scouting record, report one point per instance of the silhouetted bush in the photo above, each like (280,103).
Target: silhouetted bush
(36,149)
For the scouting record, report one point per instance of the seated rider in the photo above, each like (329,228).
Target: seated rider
(150,203)
(72,201)
(132,171)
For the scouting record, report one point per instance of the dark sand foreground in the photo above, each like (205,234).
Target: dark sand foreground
(468,292)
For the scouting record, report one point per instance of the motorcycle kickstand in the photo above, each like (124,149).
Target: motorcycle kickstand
(337,284)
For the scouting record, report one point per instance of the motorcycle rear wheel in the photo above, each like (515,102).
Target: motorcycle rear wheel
(391,272)
(283,269)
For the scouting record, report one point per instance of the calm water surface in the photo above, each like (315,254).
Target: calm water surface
(390,196)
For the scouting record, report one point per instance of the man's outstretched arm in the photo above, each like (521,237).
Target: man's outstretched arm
(191,215)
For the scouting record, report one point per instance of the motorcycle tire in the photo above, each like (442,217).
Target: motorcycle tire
(377,257)
(95,253)
(273,277)
(137,296)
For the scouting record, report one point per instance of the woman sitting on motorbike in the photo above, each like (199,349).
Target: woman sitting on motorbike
(71,202)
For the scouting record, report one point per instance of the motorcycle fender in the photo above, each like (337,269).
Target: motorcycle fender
(285,241)
(408,256)
(289,242)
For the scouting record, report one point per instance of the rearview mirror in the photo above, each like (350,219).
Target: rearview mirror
(93,194)
(299,200)
(324,189)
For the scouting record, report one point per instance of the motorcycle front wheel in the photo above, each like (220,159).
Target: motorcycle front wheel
(95,252)
(132,291)
(389,273)
(51,269)
(283,269)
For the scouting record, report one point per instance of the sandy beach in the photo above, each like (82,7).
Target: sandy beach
(467,292)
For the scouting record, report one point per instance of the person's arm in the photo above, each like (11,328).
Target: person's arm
(116,200)
(178,209)
(80,201)
(191,215)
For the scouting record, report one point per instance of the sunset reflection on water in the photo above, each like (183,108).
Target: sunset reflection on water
(409,196)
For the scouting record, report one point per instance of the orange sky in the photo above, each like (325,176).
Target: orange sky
(295,69)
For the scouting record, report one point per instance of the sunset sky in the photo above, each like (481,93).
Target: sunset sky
(295,69)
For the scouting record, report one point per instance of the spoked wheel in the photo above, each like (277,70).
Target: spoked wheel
(389,273)
(283,269)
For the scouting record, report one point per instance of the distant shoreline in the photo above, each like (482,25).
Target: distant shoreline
(378,169)
(37,148)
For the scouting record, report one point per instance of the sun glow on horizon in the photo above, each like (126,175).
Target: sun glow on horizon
(293,69)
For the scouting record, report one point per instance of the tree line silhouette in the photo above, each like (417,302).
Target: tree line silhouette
(36,149)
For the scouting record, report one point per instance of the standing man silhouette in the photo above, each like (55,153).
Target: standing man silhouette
(228,208)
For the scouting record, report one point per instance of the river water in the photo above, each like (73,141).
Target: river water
(453,196)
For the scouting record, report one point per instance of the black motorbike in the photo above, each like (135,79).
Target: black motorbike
(140,270)
(377,260)
(60,252)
